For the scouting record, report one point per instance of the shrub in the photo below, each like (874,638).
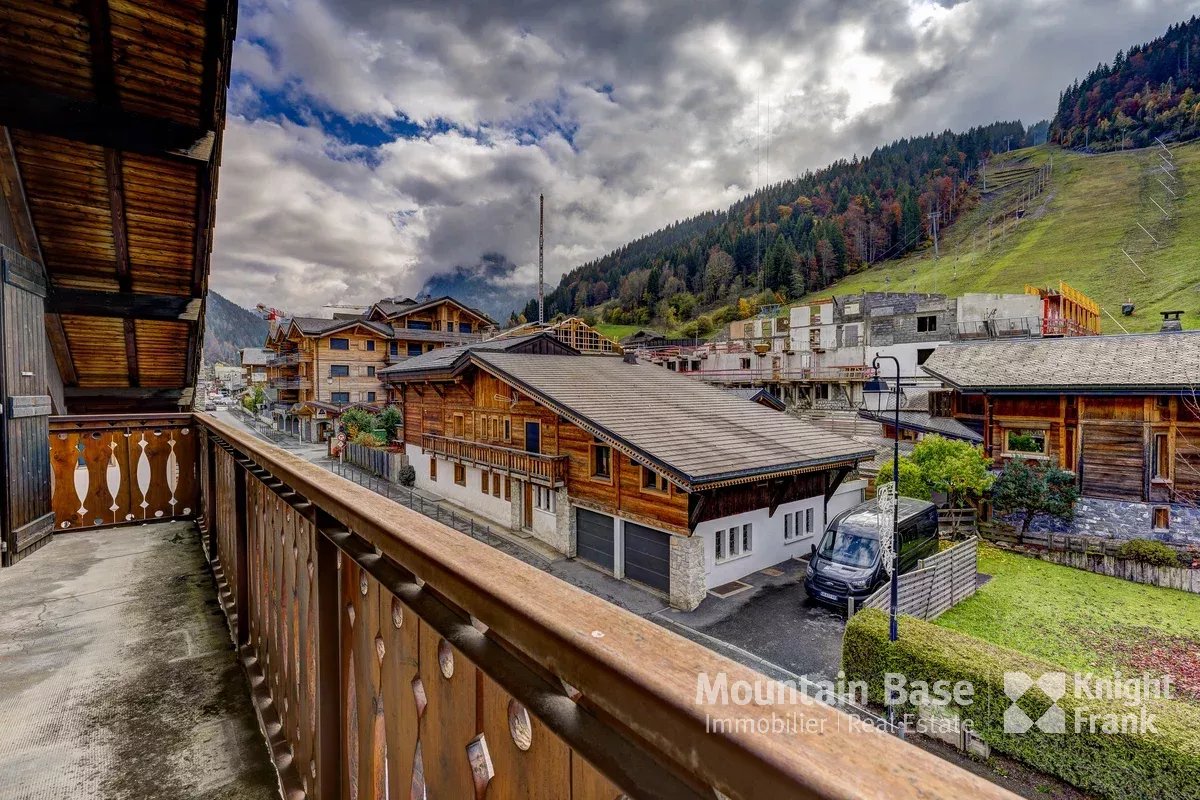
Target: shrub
(1031,490)
(356,420)
(945,465)
(407,475)
(1112,765)
(1149,551)
(366,439)
(391,419)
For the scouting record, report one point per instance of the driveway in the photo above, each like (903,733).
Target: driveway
(772,626)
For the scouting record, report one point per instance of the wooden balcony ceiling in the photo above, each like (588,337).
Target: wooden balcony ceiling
(112,113)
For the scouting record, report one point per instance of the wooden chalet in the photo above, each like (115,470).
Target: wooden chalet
(1120,411)
(642,472)
(320,365)
(421,326)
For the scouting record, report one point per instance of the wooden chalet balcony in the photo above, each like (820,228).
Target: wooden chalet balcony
(443,337)
(290,383)
(549,470)
(856,373)
(284,359)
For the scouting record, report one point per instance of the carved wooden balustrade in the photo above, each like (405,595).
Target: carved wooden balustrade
(120,470)
(551,470)
(392,657)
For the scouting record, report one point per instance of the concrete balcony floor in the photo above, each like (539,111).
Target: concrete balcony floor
(118,677)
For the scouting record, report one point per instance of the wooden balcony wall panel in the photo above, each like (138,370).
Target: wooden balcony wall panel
(97,345)
(356,664)
(123,470)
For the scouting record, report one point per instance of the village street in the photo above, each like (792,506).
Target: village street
(771,626)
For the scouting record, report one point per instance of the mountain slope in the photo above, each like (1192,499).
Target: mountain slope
(1075,231)
(228,328)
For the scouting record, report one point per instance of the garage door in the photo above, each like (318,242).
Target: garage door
(594,537)
(648,556)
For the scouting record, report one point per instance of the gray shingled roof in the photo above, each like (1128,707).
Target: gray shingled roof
(405,308)
(315,326)
(922,421)
(444,357)
(1163,361)
(752,395)
(701,433)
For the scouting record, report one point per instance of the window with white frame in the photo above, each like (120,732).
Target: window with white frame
(798,524)
(734,542)
(543,499)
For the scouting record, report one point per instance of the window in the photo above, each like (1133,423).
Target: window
(340,398)
(745,363)
(485,482)
(653,482)
(464,327)
(460,474)
(543,499)
(734,542)
(508,488)
(927,324)
(1162,518)
(339,344)
(507,429)
(601,461)
(1025,442)
(923,354)
(394,348)
(371,344)
(433,470)
(419,325)
(1161,458)
(798,525)
(414,349)
(821,391)
(370,372)
(459,425)
(496,484)
(339,370)
(490,427)
(370,397)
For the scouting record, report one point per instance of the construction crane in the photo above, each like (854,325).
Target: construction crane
(271,314)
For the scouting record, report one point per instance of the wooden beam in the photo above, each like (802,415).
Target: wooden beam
(126,305)
(104,75)
(35,109)
(120,394)
(835,481)
(61,349)
(116,204)
(131,353)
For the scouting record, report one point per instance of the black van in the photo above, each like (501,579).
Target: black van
(847,562)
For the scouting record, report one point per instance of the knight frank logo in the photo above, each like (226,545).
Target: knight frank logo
(1052,684)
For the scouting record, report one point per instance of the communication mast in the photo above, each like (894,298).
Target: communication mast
(541,247)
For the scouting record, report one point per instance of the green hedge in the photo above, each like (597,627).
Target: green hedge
(1113,765)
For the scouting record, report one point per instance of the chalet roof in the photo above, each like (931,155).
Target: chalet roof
(407,306)
(320,326)
(1150,362)
(445,358)
(700,434)
(924,422)
(758,395)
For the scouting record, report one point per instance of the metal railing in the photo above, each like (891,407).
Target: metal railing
(766,373)
(290,383)
(368,629)
(551,470)
(445,337)
(284,359)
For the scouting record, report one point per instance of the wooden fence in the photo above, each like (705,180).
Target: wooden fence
(390,656)
(380,461)
(1096,554)
(937,584)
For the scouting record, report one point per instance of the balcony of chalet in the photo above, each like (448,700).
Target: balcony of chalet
(547,470)
(290,383)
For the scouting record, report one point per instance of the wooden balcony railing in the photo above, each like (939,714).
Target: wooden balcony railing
(119,470)
(284,359)
(390,656)
(290,383)
(540,468)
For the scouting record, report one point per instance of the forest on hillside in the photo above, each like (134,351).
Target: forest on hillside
(792,237)
(1149,91)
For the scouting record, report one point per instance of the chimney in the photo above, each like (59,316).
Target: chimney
(630,357)
(1171,323)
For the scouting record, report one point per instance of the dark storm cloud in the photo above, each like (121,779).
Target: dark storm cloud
(628,114)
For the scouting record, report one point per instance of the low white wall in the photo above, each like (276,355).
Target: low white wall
(496,509)
(847,496)
(768,547)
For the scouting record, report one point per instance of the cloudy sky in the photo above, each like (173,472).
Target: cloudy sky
(375,145)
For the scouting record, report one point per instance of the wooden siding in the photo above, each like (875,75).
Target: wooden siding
(315,357)
(1107,440)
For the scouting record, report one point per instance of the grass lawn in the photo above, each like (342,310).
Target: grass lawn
(617,332)
(1083,621)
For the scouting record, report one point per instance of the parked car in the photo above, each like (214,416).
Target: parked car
(847,562)
(210,406)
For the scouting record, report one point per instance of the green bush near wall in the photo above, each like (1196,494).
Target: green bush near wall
(1119,765)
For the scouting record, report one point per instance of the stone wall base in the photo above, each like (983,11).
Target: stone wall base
(687,572)
(1117,519)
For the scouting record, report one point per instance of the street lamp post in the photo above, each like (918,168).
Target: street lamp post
(879,387)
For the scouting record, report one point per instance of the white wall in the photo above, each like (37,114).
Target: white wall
(907,355)
(847,496)
(496,509)
(769,547)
